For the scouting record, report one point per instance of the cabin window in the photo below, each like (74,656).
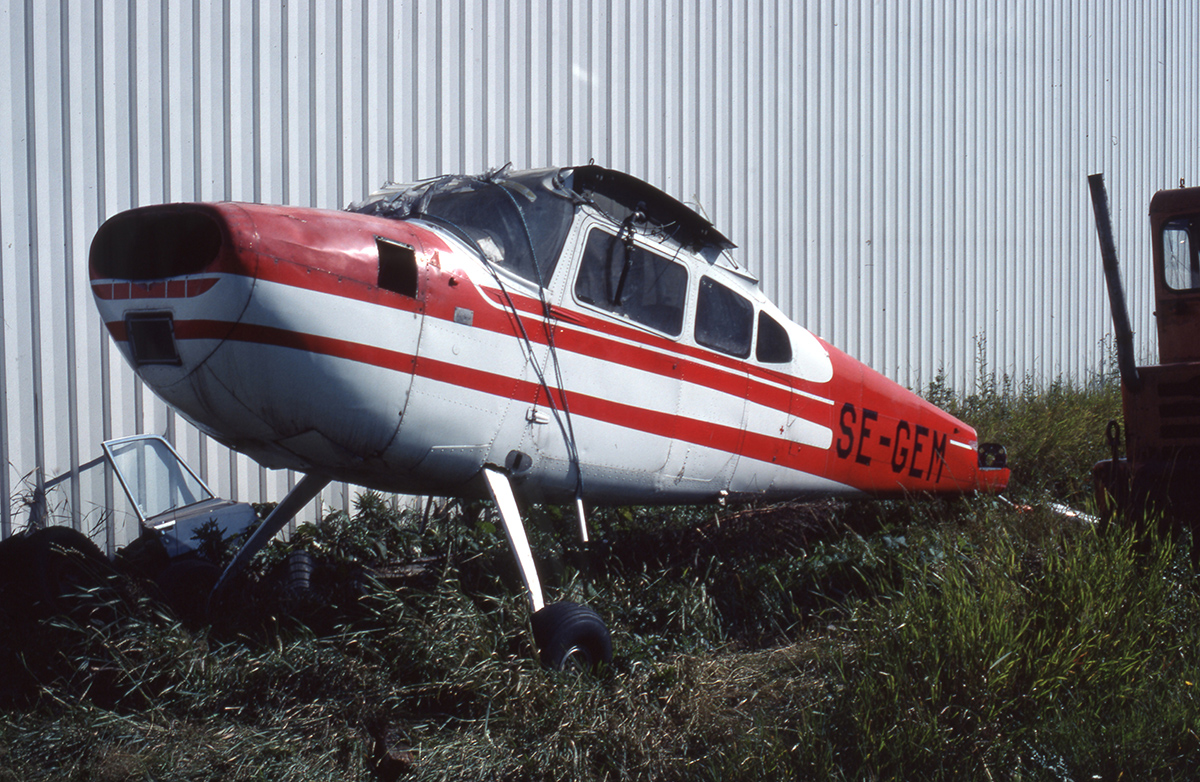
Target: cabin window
(774,346)
(1181,262)
(724,319)
(397,268)
(624,278)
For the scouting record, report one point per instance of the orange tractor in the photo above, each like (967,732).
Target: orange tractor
(1159,477)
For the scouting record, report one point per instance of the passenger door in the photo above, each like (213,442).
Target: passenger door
(712,403)
(622,310)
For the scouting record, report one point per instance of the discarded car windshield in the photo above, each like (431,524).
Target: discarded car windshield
(154,477)
(518,223)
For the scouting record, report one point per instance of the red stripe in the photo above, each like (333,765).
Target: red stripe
(700,432)
(286,338)
(296,275)
(728,439)
(456,291)
(709,369)
(671,359)
(595,323)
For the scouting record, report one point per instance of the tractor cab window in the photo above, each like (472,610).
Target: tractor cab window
(1181,253)
(724,319)
(629,280)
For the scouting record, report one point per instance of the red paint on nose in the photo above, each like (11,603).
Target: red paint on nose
(163,242)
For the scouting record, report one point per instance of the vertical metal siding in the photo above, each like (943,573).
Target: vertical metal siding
(907,179)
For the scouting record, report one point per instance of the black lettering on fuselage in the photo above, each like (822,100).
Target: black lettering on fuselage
(863,434)
(918,446)
(915,449)
(843,451)
(938,456)
(899,454)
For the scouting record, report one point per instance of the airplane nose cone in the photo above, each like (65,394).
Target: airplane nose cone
(156,243)
(272,328)
(171,283)
(171,241)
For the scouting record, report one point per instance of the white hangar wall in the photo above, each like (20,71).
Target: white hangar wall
(907,179)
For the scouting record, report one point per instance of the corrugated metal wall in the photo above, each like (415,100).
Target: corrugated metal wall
(907,178)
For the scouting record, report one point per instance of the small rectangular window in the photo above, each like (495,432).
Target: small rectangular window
(774,346)
(152,337)
(724,319)
(397,268)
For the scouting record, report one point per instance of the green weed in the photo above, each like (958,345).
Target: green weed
(1002,651)
(1053,433)
(839,640)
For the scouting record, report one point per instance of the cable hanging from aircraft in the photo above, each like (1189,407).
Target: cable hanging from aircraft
(564,422)
(552,350)
(562,418)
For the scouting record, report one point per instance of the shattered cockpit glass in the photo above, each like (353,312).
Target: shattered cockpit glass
(516,222)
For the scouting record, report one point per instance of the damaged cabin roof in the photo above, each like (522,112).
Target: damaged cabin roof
(616,194)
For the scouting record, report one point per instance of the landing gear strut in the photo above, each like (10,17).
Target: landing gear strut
(568,635)
(308,487)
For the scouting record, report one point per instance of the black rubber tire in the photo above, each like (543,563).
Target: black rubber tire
(15,581)
(570,636)
(186,585)
(67,570)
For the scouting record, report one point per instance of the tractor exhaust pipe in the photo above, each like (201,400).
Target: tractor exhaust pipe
(1116,292)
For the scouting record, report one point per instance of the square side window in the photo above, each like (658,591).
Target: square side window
(397,268)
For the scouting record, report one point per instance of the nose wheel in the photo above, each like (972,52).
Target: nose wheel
(569,636)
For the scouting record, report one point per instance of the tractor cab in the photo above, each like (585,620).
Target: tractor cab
(1160,474)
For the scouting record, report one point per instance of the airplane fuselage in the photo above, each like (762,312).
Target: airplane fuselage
(407,354)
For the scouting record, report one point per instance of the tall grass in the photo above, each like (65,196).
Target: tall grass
(1054,433)
(898,640)
(1069,653)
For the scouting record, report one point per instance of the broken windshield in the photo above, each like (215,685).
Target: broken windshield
(517,222)
(1181,261)
(153,475)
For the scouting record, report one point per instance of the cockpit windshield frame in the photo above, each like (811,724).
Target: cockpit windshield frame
(518,222)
